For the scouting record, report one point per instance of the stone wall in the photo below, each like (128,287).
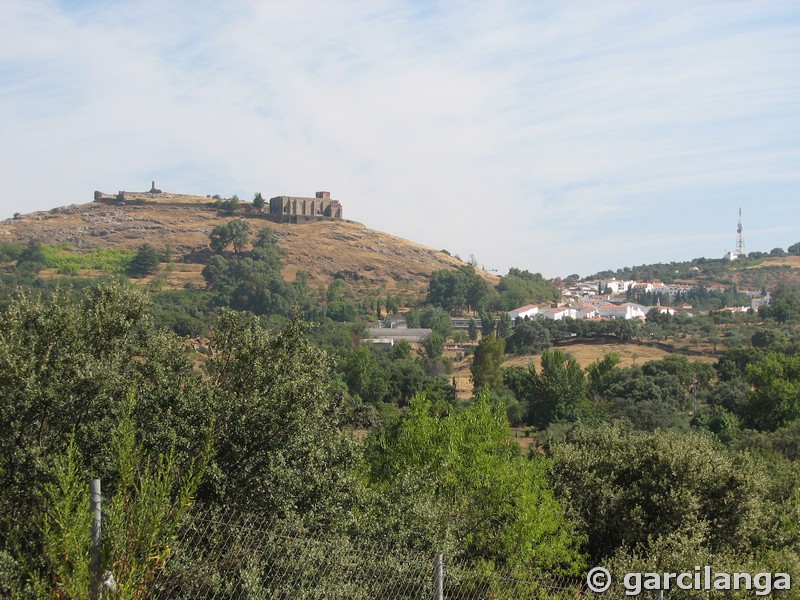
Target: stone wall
(292,208)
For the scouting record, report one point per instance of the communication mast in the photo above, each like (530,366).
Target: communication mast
(740,236)
(739,252)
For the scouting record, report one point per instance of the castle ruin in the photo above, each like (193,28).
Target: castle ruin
(130,197)
(282,209)
(297,209)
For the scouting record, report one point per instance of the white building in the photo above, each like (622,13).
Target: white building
(557,314)
(529,310)
(616,286)
(629,310)
(385,335)
(586,311)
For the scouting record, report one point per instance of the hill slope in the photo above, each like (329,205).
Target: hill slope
(747,273)
(321,248)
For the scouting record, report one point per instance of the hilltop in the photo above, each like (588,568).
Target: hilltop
(180,224)
(756,271)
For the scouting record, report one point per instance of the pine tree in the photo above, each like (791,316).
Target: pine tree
(145,262)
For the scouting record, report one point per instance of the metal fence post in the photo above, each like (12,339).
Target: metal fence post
(438,577)
(96,505)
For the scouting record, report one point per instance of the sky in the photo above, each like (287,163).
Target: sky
(558,137)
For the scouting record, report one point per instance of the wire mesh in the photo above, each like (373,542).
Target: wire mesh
(240,558)
(465,580)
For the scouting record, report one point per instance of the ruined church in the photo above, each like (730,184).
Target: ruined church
(295,208)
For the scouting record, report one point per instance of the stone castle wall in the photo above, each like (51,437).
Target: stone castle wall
(293,207)
(282,209)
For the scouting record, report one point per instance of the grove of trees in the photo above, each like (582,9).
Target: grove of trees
(275,409)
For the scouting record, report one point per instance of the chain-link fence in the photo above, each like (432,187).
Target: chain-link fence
(235,559)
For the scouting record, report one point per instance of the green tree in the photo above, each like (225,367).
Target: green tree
(283,451)
(258,202)
(459,289)
(558,391)
(438,320)
(448,290)
(646,401)
(472,330)
(461,485)
(486,367)
(364,375)
(10,251)
(219,238)
(434,345)
(519,288)
(392,304)
(228,207)
(266,249)
(335,289)
(600,371)
(784,304)
(66,367)
(626,489)
(719,421)
(239,234)
(764,338)
(218,274)
(414,318)
(784,442)
(530,336)
(504,325)
(145,262)
(31,259)
(255,283)
(479,294)
(487,323)
(774,398)
(733,362)
(730,394)
(148,503)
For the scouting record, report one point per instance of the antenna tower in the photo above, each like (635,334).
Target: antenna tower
(740,236)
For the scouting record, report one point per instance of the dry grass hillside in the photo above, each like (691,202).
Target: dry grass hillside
(323,249)
(769,273)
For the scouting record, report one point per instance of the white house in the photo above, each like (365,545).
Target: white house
(638,311)
(629,310)
(557,314)
(642,287)
(616,286)
(586,311)
(529,310)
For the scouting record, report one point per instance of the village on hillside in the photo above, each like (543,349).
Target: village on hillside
(593,300)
